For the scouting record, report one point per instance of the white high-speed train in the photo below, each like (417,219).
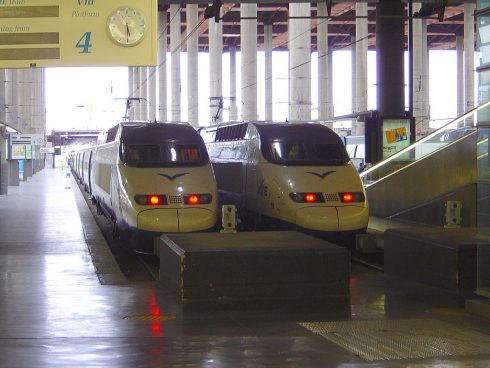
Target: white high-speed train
(150,178)
(296,174)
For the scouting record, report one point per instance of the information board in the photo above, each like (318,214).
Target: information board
(40,33)
(396,135)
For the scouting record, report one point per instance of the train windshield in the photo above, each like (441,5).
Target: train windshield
(303,145)
(161,148)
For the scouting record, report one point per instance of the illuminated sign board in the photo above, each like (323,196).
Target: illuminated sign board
(77,33)
(396,135)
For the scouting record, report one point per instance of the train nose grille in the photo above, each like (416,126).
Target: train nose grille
(176,199)
(331,197)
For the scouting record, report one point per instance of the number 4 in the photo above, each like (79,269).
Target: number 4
(84,43)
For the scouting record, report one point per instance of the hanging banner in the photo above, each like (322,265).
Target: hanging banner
(40,33)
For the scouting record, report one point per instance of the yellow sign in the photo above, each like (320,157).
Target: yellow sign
(40,33)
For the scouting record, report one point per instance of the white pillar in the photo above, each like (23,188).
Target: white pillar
(8,96)
(361,64)
(248,39)
(128,112)
(137,94)
(268,71)
(324,100)
(144,93)
(3,84)
(420,73)
(330,106)
(192,65)
(469,56)
(215,68)
(175,60)
(459,76)
(233,107)
(152,93)
(353,73)
(162,64)
(299,62)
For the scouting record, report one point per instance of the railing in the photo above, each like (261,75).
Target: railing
(451,132)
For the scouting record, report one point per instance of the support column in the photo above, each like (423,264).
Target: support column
(4,166)
(248,40)
(233,107)
(175,60)
(152,93)
(215,69)
(459,75)
(299,62)
(144,93)
(23,100)
(137,94)
(162,63)
(129,112)
(353,73)
(268,72)
(8,97)
(330,106)
(390,45)
(14,173)
(420,73)
(192,65)
(324,99)
(469,56)
(3,85)
(361,90)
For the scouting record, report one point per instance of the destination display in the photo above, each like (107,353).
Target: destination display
(41,33)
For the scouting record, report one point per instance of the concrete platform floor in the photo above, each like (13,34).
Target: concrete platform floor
(54,312)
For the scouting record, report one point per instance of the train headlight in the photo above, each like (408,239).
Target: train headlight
(350,197)
(307,197)
(150,199)
(193,199)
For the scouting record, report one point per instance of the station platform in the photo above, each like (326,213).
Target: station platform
(65,303)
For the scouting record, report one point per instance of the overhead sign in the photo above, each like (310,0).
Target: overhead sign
(34,139)
(46,150)
(77,33)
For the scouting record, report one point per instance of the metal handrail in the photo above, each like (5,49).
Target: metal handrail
(413,146)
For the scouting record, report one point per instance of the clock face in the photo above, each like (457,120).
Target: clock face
(127,26)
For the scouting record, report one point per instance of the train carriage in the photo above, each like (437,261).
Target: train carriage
(298,175)
(151,178)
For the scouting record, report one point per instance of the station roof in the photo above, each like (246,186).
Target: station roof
(341,25)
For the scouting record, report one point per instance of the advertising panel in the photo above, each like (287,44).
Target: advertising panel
(396,135)
(18,151)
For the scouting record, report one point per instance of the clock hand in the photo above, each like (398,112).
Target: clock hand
(128,34)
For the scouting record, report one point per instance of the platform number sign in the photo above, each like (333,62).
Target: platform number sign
(84,43)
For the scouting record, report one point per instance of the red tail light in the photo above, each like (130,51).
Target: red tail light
(310,198)
(154,200)
(307,197)
(347,197)
(193,199)
(350,197)
(150,199)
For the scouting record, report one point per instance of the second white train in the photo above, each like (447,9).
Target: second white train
(296,174)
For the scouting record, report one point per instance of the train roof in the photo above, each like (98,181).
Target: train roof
(272,130)
(151,131)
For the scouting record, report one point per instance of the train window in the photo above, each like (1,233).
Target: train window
(329,152)
(111,134)
(162,155)
(185,153)
(306,153)
(288,151)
